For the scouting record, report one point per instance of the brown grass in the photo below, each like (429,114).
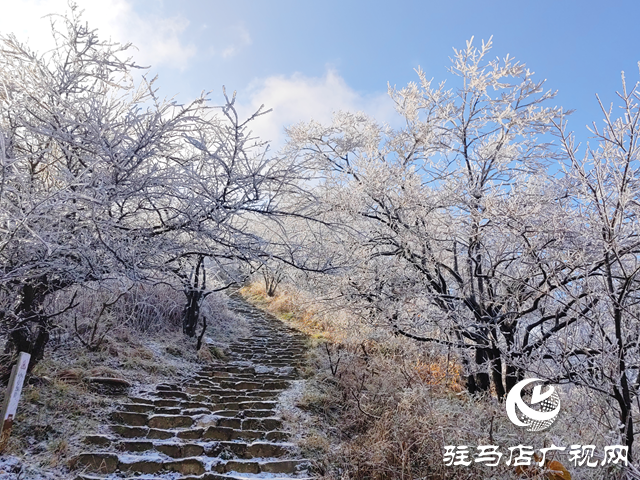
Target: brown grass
(383,407)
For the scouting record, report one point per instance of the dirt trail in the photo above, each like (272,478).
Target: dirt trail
(220,424)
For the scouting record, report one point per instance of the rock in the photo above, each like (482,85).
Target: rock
(157,434)
(144,465)
(196,411)
(131,419)
(276,436)
(281,466)
(259,449)
(135,446)
(247,435)
(168,387)
(242,467)
(188,466)
(192,450)
(230,422)
(259,413)
(130,432)
(170,450)
(191,434)
(139,400)
(172,394)
(261,424)
(232,449)
(170,421)
(98,462)
(277,385)
(136,407)
(99,440)
(218,433)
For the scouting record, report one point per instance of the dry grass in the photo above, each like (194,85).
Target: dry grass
(379,407)
(296,308)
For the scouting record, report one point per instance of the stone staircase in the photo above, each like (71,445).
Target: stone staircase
(220,424)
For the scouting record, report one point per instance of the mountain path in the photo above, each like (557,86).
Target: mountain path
(220,424)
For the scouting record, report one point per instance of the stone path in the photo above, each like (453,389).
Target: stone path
(221,424)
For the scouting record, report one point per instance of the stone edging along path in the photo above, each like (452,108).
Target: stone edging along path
(221,424)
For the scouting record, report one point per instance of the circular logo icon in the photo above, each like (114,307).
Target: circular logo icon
(547,406)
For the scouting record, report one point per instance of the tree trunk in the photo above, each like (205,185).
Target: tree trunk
(31,334)
(482,377)
(191,313)
(513,376)
(626,422)
(471,385)
(496,373)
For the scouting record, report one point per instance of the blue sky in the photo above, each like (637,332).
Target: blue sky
(305,59)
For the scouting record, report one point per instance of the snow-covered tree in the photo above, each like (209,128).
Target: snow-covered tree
(455,225)
(102,179)
(601,351)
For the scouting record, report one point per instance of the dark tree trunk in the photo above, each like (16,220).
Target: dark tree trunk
(191,313)
(482,377)
(514,375)
(472,387)
(31,333)
(626,421)
(496,373)
(195,291)
(24,340)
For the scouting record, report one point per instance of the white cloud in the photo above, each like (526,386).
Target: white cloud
(298,98)
(158,39)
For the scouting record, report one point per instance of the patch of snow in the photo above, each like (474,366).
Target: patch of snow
(206,420)
(13,468)
(150,457)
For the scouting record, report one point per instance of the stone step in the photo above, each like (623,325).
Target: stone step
(266,424)
(98,440)
(191,434)
(224,433)
(239,476)
(141,400)
(166,403)
(257,413)
(181,450)
(108,463)
(168,386)
(136,407)
(135,445)
(256,405)
(159,434)
(168,422)
(252,450)
(238,448)
(227,413)
(172,394)
(198,411)
(167,411)
(127,431)
(255,467)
